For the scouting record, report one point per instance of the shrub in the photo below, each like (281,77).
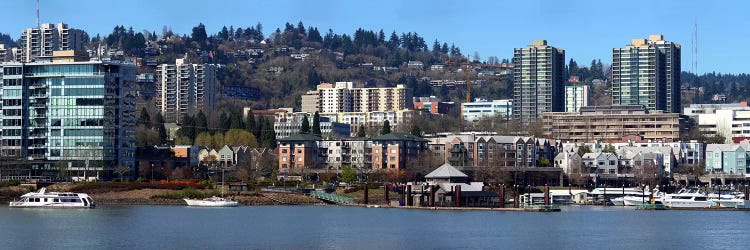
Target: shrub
(10,183)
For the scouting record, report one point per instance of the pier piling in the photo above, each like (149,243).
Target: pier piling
(546,195)
(385,193)
(457,195)
(501,194)
(432,195)
(366,195)
(409,197)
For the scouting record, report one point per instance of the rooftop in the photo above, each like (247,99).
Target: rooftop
(445,171)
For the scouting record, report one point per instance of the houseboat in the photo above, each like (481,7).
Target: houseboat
(42,199)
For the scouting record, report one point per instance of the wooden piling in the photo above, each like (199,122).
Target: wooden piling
(546,195)
(432,196)
(409,198)
(501,194)
(366,194)
(385,193)
(457,195)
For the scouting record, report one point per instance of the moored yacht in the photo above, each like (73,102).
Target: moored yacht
(687,198)
(54,200)
(211,202)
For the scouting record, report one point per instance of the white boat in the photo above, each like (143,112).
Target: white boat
(687,198)
(639,200)
(213,201)
(729,200)
(619,201)
(42,199)
(617,194)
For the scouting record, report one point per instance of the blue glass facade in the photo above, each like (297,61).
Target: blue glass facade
(79,117)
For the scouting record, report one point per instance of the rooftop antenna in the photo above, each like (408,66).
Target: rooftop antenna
(37,14)
(695,47)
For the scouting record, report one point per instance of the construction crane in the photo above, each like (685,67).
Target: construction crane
(467,72)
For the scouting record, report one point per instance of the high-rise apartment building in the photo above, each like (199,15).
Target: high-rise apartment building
(346,97)
(538,83)
(647,72)
(42,41)
(184,88)
(60,116)
(576,96)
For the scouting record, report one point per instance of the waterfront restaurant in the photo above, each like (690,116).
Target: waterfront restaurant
(451,182)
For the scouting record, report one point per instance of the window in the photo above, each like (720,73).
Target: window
(393,158)
(611,162)
(283,158)
(283,151)
(299,158)
(284,165)
(393,151)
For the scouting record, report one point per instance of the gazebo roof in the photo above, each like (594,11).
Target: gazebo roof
(446,171)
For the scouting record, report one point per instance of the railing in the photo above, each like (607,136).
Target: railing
(331,197)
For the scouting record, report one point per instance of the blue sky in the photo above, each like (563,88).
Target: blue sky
(585,29)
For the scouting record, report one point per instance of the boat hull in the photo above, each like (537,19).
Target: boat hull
(686,204)
(210,203)
(19,204)
(618,201)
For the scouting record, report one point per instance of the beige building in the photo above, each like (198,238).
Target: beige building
(647,72)
(41,41)
(611,123)
(538,84)
(184,88)
(346,97)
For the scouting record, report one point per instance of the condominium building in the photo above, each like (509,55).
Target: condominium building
(695,110)
(5,54)
(729,159)
(647,72)
(730,123)
(483,149)
(43,40)
(63,117)
(612,123)
(432,104)
(473,111)
(184,88)
(306,153)
(346,97)
(538,83)
(374,118)
(576,96)
(288,124)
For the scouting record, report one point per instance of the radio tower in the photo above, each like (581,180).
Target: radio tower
(695,48)
(37,14)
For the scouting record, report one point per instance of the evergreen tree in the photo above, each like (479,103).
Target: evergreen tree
(271,135)
(361,131)
(250,123)
(159,125)
(235,120)
(436,47)
(416,131)
(259,126)
(386,128)
(223,122)
(199,34)
(201,123)
(187,128)
(144,119)
(316,124)
(305,129)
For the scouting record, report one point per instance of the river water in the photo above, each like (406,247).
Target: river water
(332,227)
